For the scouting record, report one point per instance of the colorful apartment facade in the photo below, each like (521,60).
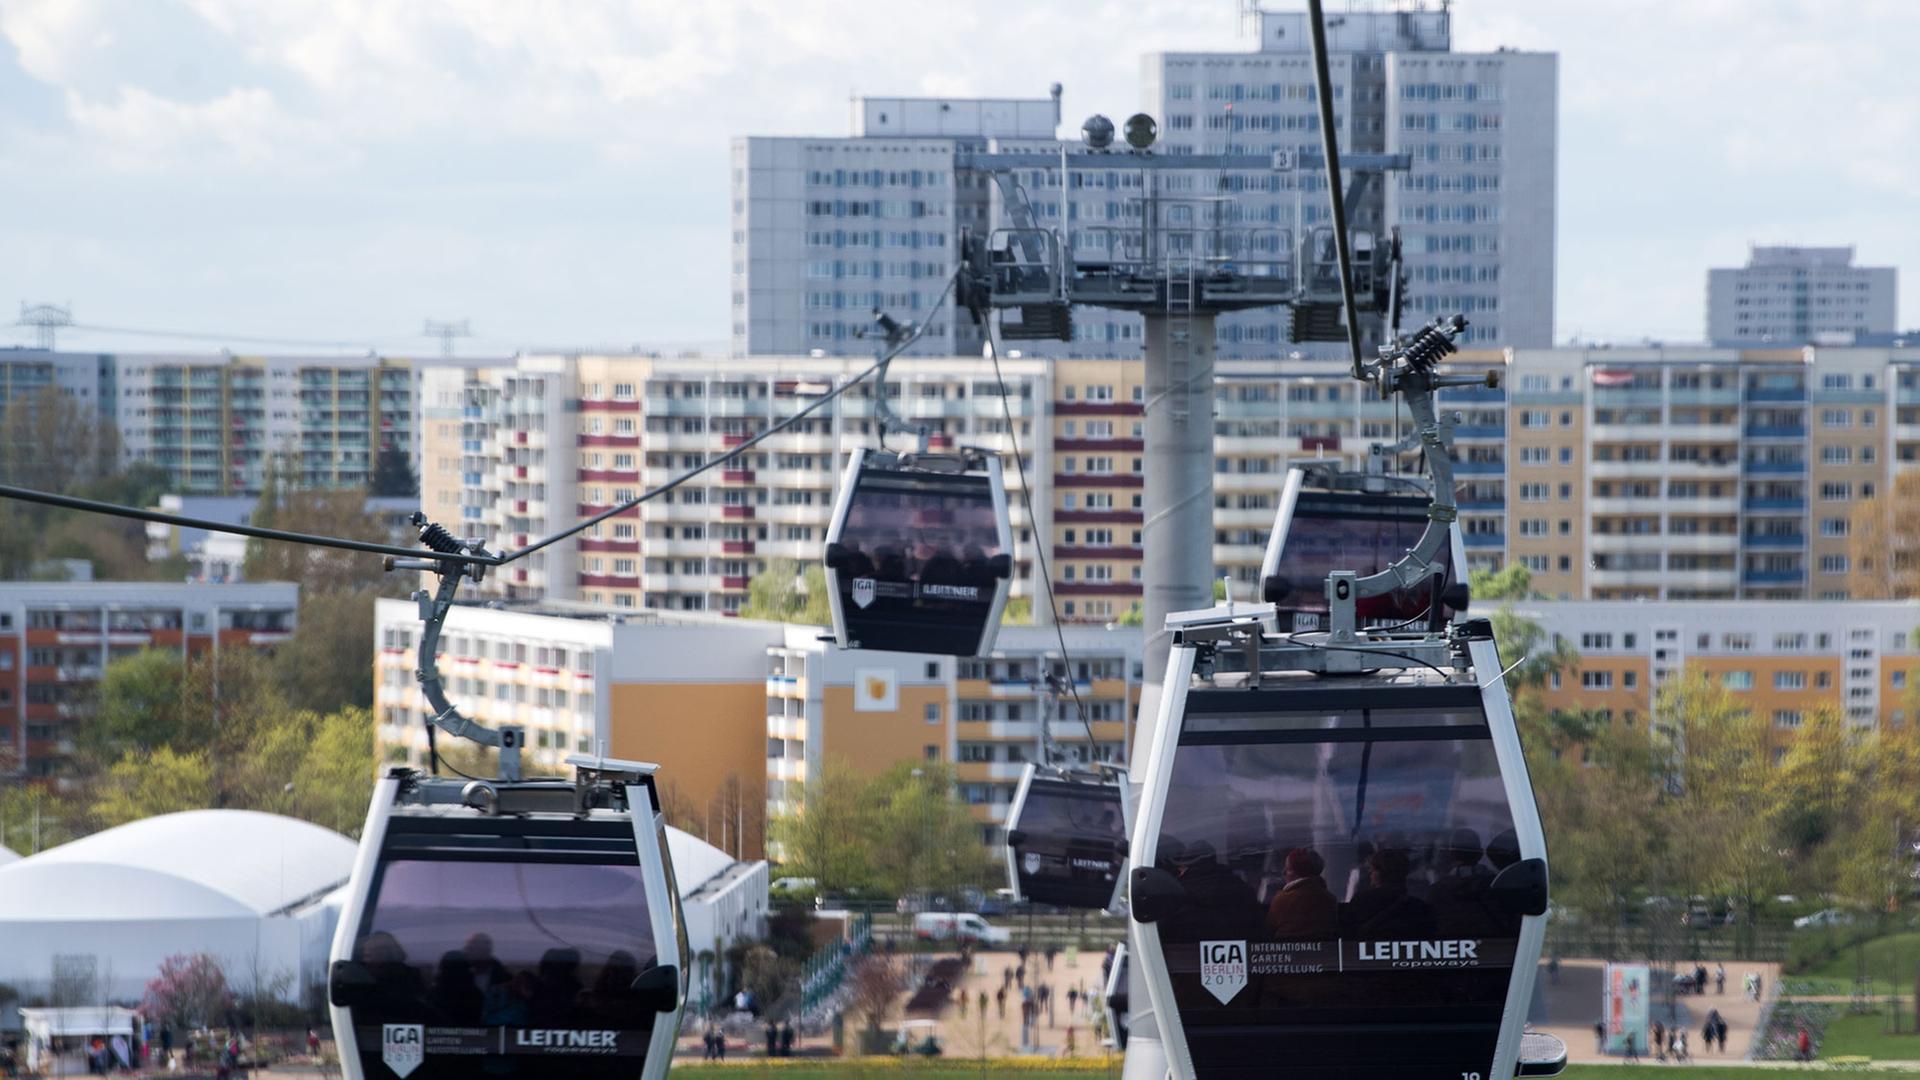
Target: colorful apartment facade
(56,638)
(1781,659)
(1610,473)
(739,713)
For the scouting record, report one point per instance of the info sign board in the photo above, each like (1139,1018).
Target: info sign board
(1627,1006)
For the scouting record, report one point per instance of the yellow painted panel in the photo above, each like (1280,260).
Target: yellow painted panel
(701,735)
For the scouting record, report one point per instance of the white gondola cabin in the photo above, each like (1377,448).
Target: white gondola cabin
(511,929)
(1067,838)
(1338,874)
(919,553)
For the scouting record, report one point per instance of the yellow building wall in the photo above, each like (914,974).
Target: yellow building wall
(871,742)
(700,734)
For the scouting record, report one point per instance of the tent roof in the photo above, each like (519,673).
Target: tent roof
(196,864)
(695,862)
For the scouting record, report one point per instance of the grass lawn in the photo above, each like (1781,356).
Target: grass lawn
(803,1070)
(1885,957)
(1866,1034)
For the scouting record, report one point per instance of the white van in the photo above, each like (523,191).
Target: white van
(962,926)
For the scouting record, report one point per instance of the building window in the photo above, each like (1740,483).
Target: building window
(1737,680)
(1789,680)
(933,712)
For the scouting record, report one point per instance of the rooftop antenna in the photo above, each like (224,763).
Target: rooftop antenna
(46,320)
(446,332)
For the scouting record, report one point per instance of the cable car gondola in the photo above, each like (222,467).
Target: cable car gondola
(498,928)
(1330,520)
(1067,838)
(919,555)
(1337,874)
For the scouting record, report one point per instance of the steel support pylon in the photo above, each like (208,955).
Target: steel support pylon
(1177,556)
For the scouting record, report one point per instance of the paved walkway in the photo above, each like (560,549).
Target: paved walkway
(1567,1007)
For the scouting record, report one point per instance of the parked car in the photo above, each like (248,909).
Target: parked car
(964,926)
(1824,917)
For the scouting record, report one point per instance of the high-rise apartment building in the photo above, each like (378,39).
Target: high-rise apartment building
(215,422)
(550,440)
(56,638)
(826,229)
(1650,474)
(1476,210)
(1798,295)
(818,220)
(1782,660)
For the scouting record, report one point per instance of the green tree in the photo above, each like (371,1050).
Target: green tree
(141,705)
(785,592)
(50,441)
(335,782)
(1018,612)
(328,662)
(163,782)
(925,838)
(35,818)
(1133,616)
(829,837)
(393,476)
(1723,816)
(339,513)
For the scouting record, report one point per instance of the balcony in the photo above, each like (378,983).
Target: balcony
(1704,395)
(734,582)
(1776,431)
(1480,431)
(1775,540)
(1776,393)
(1488,541)
(1774,577)
(1480,503)
(737,513)
(736,476)
(1776,504)
(1480,468)
(1777,467)
(736,547)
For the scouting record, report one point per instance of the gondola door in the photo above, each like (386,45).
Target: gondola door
(1346,879)
(532,945)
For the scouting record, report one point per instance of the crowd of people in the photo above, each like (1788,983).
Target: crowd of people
(470,986)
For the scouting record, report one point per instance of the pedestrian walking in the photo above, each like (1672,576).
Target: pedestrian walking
(1720,979)
(1073,998)
(773,1038)
(1759,987)
(1006,976)
(1805,1045)
(1553,970)
(1633,1046)
(1069,1040)
(1700,978)
(1000,1001)
(1052,951)
(166,1040)
(720,1044)
(786,1039)
(962,995)
(1020,975)
(1659,1041)
(1720,1029)
(1683,1054)
(313,1044)
(983,1005)
(706,1045)
(1599,1036)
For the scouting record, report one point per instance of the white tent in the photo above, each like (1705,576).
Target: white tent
(119,1026)
(721,898)
(7,855)
(107,909)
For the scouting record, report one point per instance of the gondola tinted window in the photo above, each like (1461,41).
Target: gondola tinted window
(505,959)
(1335,868)
(905,533)
(1363,533)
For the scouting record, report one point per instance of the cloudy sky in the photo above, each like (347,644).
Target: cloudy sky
(557,172)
